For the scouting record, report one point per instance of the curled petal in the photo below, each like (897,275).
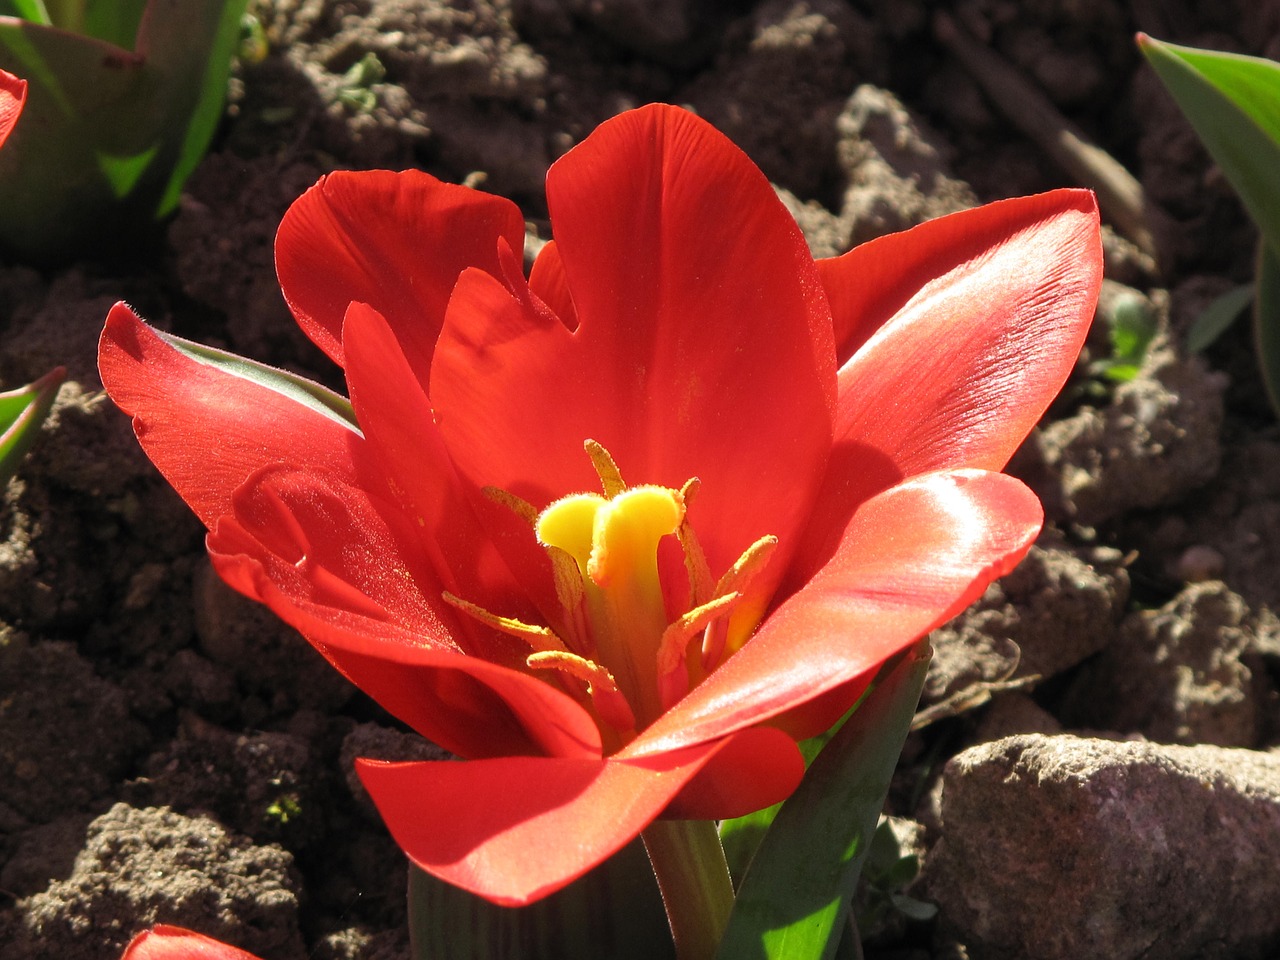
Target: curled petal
(396,241)
(515,829)
(910,559)
(206,429)
(323,557)
(411,458)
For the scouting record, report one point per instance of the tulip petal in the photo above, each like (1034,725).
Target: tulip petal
(205,429)
(321,554)
(972,323)
(515,829)
(165,942)
(401,432)
(396,241)
(910,559)
(13,94)
(700,321)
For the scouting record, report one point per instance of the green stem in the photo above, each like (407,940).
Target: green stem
(694,879)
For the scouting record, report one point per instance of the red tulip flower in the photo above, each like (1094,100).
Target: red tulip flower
(621,532)
(13,94)
(165,942)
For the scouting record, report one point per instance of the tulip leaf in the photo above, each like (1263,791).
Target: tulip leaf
(1266,321)
(614,911)
(1233,102)
(1218,317)
(794,901)
(22,412)
(299,389)
(32,10)
(120,108)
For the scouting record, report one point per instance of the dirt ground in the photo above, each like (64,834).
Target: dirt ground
(169,752)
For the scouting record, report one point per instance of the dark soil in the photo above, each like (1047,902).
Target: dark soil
(169,752)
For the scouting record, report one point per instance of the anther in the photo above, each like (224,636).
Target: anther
(539,638)
(609,701)
(610,476)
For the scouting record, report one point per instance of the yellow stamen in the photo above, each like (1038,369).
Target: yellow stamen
(735,580)
(540,638)
(610,476)
(695,560)
(609,702)
(673,680)
(519,506)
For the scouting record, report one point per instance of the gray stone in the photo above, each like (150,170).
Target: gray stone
(145,866)
(1155,442)
(778,90)
(1176,674)
(894,169)
(1059,847)
(1052,612)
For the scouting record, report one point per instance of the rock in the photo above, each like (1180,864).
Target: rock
(1153,444)
(268,656)
(268,786)
(146,866)
(1176,674)
(1057,848)
(894,170)
(1052,612)
(677,32)
(66,734)
(778,90)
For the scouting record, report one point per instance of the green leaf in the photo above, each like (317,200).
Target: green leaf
(612,912)
(1218,317)
(741,836)
(1266,322)
(33,10)
(22,412)
(1233,102)
(299,389)
(114,123)
(794,900)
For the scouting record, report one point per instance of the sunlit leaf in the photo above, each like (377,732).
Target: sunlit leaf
(1233,102)
(22,412)
(794,900)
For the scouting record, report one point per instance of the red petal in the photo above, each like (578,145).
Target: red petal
(322,555)
(516,829)
(911,559)
(206,430)
(978,318)
(402,435)
(163,942)
(702,345)
(396,241)
(13,94)
(548,282)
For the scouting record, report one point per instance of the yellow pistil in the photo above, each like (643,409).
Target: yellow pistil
(615,544)
(616,635)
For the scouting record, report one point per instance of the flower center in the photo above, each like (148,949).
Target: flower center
(616,645)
